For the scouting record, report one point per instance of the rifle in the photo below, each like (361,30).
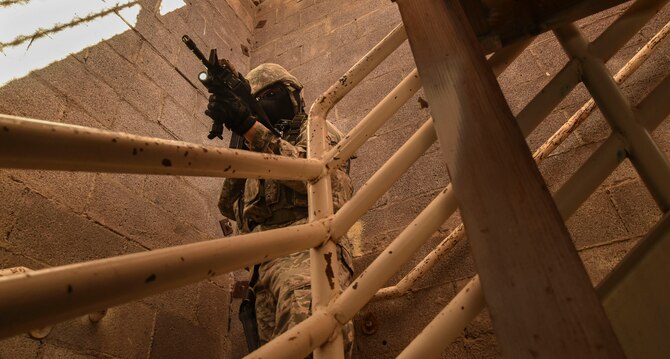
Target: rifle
(221,75)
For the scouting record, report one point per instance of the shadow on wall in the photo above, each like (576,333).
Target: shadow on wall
(34,34)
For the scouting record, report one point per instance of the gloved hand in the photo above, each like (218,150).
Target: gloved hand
(230,111)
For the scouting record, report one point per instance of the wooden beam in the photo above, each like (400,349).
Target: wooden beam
(537,290)
(499,23)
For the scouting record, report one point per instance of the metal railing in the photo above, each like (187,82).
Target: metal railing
(44,297)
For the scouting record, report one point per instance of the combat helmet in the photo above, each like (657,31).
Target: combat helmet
(268,74)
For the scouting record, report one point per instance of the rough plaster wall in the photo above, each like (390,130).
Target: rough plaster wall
(142,81)
(318,40)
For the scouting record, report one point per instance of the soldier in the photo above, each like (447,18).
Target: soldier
(281,286)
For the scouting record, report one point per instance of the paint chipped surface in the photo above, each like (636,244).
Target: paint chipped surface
(329,269)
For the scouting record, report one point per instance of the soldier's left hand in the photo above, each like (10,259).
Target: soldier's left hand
(230,111)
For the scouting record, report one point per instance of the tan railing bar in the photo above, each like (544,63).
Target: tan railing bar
(604,47)
(34,144)
(540,154)
(48,296)
(354,297)
(647,158)
(571,195)
(383,179)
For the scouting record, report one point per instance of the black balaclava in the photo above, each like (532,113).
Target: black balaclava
(277,104)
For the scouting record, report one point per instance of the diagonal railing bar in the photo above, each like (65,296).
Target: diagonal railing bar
(304,337)
(47,296)
(388,106)
(516,234)
(33,144)
(646,157)
(77,289)
(343,308)
(604,46)
(383,179)
(395,166)
(449,323)
(323,269)
(540,154)
(606,158)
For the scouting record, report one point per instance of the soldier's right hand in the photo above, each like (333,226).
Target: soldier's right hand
(231,111)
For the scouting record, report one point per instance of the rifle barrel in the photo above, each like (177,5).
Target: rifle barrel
(192,46)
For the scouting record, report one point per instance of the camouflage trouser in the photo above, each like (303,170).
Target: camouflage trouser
(283,296)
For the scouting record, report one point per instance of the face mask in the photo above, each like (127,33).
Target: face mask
(276,103)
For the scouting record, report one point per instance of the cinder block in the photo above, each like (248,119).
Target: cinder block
(594,25)
(182,302)
(358,103)
(267,29)
(635,206)
(291,58)
(209,187)
(13,194)
(662,137)
(108,66)
(176,337)
(290,7)
(180,123)
(166,77)
(129,120)
(127,44)
(125,332)
(311,50)
(347,14)
(53,234)
(596,222)
(70,189)
(595,128)
(70,77)
(375,152)
(398,321)
(116,207)
(20,346)
(310,70)
(265,53)
(429,173)
(10,259)
(56,352)
(214,310)
(31,97)
(304,36)
(549,54)
(153,31)
(142,93)
(244,10)
(625,54)
(314,13)
(393,217)
(524,68)
(181,200)
(381,19)
(74,114)
(599,261)
(557,169)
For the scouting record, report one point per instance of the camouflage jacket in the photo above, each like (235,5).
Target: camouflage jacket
(260,204)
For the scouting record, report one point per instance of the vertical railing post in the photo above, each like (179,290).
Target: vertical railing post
(324,265)
(535,285)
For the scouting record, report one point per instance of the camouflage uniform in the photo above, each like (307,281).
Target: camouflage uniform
(283,296)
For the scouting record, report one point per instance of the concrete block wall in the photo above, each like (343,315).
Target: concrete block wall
(142,81)
(318,40)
